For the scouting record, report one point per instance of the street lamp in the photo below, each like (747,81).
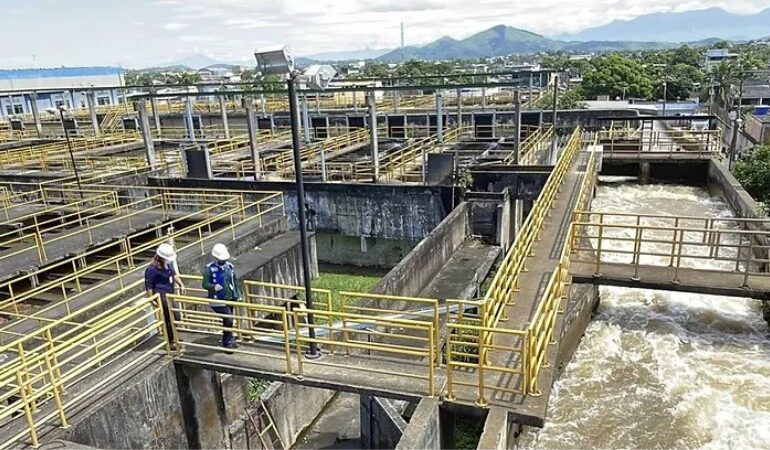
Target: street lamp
(736,124)
(278,61)
(61,109)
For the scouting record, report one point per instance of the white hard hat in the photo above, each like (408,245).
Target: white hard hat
(220,252)
(166,251)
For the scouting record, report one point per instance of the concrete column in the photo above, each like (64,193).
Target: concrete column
(396,98)
(355,102)
(144,125)
(90,98)
(317,103)
(483,98)
(188,121)
(156,115)
(459,107)
(554,142)
(323,163)
(517,125)
(439,117)
(370,98)
(36,114)
(251,123)
(223,113)
(529,98)
(305,119)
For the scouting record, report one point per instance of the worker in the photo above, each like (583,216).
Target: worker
(221,282)
(160,278)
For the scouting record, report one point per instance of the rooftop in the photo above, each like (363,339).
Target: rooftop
(59,72)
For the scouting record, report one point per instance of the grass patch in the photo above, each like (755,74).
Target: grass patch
(346,278)
(256,387)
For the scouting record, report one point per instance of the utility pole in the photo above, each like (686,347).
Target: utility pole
(665,92)
(403,55)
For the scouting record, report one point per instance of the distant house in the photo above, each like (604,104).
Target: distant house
(712,58)
(56,87)
(756,91)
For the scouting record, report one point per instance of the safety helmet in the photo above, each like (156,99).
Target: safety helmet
(220,252)
(166,251)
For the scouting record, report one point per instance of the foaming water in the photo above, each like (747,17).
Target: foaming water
(662,369)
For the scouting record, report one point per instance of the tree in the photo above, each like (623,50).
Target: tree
(753,172)
(682,82)
(615,76)
(571,99)
(685,55)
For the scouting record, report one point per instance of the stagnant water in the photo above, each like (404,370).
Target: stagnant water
(662,369)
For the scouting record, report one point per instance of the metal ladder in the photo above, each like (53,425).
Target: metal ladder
(265,428)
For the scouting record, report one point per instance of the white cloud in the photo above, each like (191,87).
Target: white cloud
(236,27)
(175,26)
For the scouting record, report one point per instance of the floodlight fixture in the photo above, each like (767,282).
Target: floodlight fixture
(274,61)
(732,114)
(318,76)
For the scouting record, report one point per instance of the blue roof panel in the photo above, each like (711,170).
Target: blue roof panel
(15,74)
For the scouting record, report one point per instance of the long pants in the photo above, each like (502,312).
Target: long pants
(166,306)
(227,322)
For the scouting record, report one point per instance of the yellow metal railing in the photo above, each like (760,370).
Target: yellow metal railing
(734,246)
(635,141)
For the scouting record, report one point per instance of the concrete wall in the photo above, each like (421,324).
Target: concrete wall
(424,428)
(499,432)
(721,182)
(141,412)
(382,211)
(372,252)
(419,267)
(381,424)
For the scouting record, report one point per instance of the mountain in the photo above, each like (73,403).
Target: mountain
(196,61)
(683,26)
(367,53)
(499,40)
(502,40)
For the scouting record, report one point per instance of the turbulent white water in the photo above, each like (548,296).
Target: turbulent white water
(662,369)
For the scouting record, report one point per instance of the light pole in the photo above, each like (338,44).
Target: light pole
(280,62)
(736,123)
(665,92)
(62,108)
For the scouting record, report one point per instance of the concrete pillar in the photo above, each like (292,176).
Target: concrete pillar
(223,113)
(323,163)
(262,105)
(517,125)
(396,98)
(483,98)
(370,98)
(305,119)
(355,102)
(439,117)
(459,107)
(144,125)
(529,96)
(317,103)
(644,172)
(90,98)
(251,123)
(188,118)
(156,115)
(36,114)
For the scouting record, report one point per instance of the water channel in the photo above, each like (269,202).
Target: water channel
(663,369)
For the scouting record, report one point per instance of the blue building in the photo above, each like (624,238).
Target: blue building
(58,86)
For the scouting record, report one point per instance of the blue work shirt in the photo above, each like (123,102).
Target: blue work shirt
(159,280)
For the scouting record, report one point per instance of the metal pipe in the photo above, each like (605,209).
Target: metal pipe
(252,129)
(372,104)
(313,350)
(223,113)
(72,156)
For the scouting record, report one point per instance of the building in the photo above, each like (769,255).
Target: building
(57,87)
(712,58)
(756,91)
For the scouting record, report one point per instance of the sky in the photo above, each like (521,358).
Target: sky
(142,33)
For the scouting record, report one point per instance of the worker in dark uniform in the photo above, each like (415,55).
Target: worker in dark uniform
(221,282)
(160,278)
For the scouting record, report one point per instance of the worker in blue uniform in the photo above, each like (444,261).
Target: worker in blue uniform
(221,282)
